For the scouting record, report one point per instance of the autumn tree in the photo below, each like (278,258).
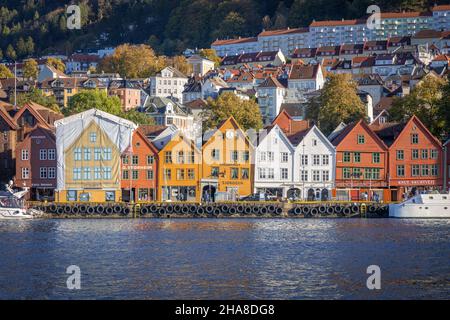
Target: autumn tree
(5,72)
(30,69)
(424,101)
(246,112)
(444,107)
(338,102)
(132,61)
(180,63)
(11,53)
(211,54)
(56,63)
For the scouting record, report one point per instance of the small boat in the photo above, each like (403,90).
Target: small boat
(432,205)
(12,205)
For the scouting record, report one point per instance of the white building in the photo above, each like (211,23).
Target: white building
(212,86)
(168,83)
(303,79)
(441,17)
(235,46)
(274,163)
(337,32)
(200,65)
(285,40)
(270,95)
(314,163)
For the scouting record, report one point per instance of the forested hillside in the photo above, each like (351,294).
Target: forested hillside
(30,27)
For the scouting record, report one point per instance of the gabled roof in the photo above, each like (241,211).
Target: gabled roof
(7,118)
(271,82)
(207,138)
(276,128)
(301,72)
(42,114)
(349,128)
(297,139)
(95,112)
(140,131)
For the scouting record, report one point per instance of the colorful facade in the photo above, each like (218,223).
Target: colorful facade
(227,167)
(139,170)
(179,170)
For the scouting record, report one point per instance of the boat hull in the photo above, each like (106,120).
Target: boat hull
(14,214)
(429,210)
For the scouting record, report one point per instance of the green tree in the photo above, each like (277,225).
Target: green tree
(246,112)
(30,69)
(11,53)
(427,102)
(21,47)
(56,63)
(338,102)
(29,45)
(5,72)
(36,95)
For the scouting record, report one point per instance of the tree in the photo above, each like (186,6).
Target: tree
(21,47)
(30,69)
(180,63)
(56,63)
(5,72)
(36,95)
(233,25)
(444,107)
(11,53)
(29,45)
(133,61)
(338,102)
(211,54)
(246,112)
(425,101)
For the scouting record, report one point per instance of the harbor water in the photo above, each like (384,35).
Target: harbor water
(225,258)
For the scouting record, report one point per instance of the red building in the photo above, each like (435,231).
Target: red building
(36,163)
(361,163)
(415,157)
(140,169)
(8,140)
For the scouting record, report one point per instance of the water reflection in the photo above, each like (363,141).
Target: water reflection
(225,258)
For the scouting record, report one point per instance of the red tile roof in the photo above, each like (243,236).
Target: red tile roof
(331,23)
(444,7)
(233,41)
(268,33)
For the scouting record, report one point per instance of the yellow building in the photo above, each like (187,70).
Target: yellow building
(89,147)
(227,167)
(179,170)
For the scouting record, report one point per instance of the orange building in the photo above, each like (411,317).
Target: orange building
(140,170)
(227,166)
(361,164)
(179,170)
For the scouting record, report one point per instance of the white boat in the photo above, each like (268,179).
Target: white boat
(12,205)
(432,205)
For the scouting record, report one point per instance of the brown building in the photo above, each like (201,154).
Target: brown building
(415,157)
(8,139)
(361,163)
(140,170)
(36,163)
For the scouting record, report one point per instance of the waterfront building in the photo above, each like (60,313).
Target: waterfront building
(446,165)
(139,169)
(179,170)
(36,164)
(169,82)
(8,142)
(89,148)
(415,157)
(361,163)
(227,167)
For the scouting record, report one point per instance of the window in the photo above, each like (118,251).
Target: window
(262,173)
(71,195)
(304,159)
(135,174)
(25,173)
(325,175)
(314,142)
(284,174)
(246,156)
(93,137)
(234,156)
(149,174)
(43,154)
(400,155)
(434,170)
(284,157)
(43,172)
(425,170)
(97,154)
(304,175)
(361,139)
(51,154)
(316,175)
(346,157)
(25,154)
(180,174)
(215,154)
(433,154)
(87,154)
(125,160)
(107,154)
(415,170)
(244,173)
(180,157)
(192,157)
(270,156)
(191,174)
(125,175)
(424,153)
(167,174)
(316,159)
(234,173)
(110,196)
(357,157)
(325,159)
(77,154)
(168,157)
(400,170)
(76,173)
(356,173)
(214,172)
(135,160)
(150,159)
(107,173)
(98,173)
(87,173)
(414,138)
(51,173)
(270,173)
(262,156)
(415,154)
